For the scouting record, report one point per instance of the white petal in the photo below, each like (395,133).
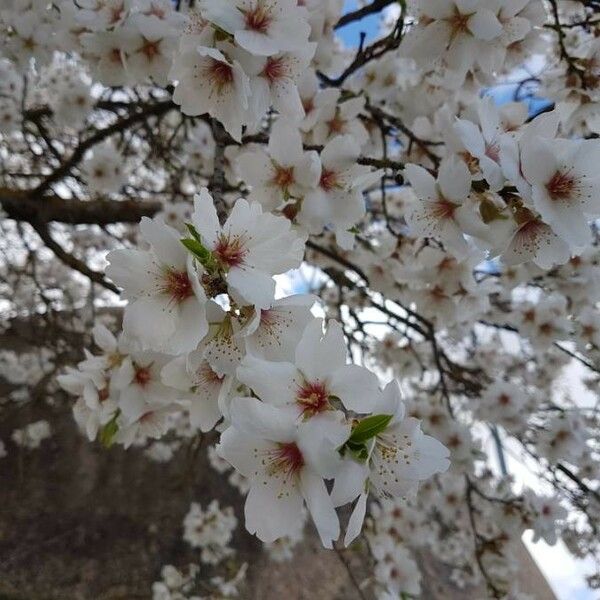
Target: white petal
(205,218)
(318,356)
(273,382)
(320,507)
(263,420)
(273,509)
(356,387)
(356,520)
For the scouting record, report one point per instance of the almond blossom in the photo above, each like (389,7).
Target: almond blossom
(318,376)
(441,211)
(163,287)
(249,248)
(262,27)
(208,82)
(287,172)
(285,469)
(565,185)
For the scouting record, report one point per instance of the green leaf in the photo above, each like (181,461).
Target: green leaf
(197,249)
(108,432)
(359,451)
(354,229)
(194,232)
(369,427)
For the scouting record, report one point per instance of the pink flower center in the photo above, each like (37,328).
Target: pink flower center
(313,398)
(492,150)
(444,209)
(116,13)
(504,399)
(286,458)
(284,177)
(115,55)
(258,19)
(561,186)
(275,69)
(308,104)
(459,23)
(219,74)
(177,285)
(230,251)
(206,375)
(329,180)
(150,50)
(142,376)
(336,125)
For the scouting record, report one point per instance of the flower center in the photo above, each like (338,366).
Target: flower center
(142,376)
(329,180)
(116,12)
(177,285)
(219,74)
(312,398)
(504,399)
(274,69)
(443,209)
(150,50)
(492,151)
(258,19)
(336,125)
(207,376)
(230,251)
(459,23)
(284,177)
(286,458)
(115,55)
(561,186)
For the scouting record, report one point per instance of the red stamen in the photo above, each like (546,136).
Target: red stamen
(329,180)
(275,68)
(219,74)
(230,252)
(177,285)
(142,376)
(258,19)
(284,177)
(287,458)
(561,186)
(313,398)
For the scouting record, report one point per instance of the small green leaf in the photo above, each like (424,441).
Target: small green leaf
(194,232)
(369,427)
(108,432)
(355,230)
(196,248)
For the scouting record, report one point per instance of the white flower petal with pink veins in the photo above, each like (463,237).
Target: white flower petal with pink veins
(262,27)
(163,289)
(535,241)
(318,375)
(338,199)
(274,333)
(201,386)
(438,214)
(286,172)
(222,348)
(208,83)
(265,445)
(565,185)
(250,248)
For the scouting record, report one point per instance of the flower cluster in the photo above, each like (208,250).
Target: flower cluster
(292,222)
